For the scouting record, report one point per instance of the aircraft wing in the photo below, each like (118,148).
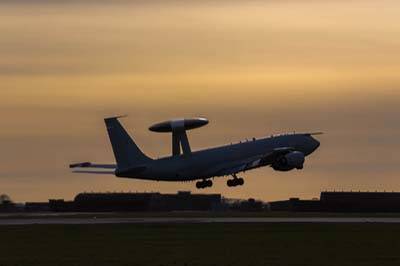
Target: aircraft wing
(91,165)
(251,163)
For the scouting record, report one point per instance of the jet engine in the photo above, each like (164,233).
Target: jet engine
(289,161)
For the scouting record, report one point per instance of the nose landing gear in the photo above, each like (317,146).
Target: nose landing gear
(235,181)
(204,184)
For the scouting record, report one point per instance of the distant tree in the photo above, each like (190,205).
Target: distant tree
(5,199)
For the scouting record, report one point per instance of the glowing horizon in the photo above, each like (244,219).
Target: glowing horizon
(254,68)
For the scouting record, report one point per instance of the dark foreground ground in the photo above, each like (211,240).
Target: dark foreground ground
(201,244)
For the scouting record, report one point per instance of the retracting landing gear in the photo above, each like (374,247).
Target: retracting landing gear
(235,181)
(204,184)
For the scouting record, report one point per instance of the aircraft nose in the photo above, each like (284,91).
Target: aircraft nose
(315,143)
(310,144)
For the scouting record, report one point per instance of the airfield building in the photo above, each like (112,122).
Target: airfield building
(332,201)
(296,205)
(361,201)
(130,202)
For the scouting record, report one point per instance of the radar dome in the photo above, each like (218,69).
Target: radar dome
(179,125)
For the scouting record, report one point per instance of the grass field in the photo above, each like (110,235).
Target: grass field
(201,244)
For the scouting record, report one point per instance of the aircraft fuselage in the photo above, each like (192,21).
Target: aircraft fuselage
(213,162)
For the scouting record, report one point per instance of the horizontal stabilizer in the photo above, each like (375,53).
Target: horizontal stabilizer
(76,165)
(94,172)
(91,165)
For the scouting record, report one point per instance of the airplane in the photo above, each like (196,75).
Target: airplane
(281,152)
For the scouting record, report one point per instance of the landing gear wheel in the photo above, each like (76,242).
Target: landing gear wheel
(199,185)
(235,182)
(204,184)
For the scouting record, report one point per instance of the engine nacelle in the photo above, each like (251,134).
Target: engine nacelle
(289,162)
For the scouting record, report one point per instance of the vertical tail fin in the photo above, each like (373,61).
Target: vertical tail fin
(126,152)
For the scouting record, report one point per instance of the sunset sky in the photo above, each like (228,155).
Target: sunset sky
(254,68)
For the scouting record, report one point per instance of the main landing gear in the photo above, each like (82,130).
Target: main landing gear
(204,184)
(235,181)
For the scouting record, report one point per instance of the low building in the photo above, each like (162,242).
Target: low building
(332,201)
(296,205)
(186,201)
(60,205)
(115,202)
(182,201)
(361,201)
(250,205)
(37,207)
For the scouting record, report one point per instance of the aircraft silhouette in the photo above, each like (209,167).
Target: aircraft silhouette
(282,152)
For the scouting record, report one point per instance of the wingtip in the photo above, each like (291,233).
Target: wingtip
(115,117)
(316,133)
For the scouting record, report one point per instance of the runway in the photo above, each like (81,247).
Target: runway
(77,221)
